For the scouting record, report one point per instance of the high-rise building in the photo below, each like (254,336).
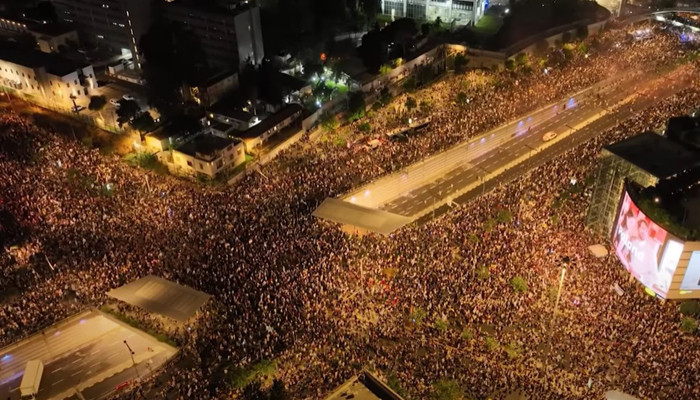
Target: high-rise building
(461,12)
(231,35)
(113,24)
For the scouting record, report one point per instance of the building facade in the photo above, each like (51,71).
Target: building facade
(230,36)
(48,77)
(113,24)
(208,155)
(461,12)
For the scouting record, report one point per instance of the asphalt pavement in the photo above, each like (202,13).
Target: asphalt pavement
(444,177)
(665,89)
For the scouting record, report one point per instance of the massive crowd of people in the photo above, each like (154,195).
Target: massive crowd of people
(428,303)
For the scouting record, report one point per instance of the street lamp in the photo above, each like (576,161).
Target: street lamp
(565,262)
(133,362)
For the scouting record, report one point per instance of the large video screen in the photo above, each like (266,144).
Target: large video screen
(646,250)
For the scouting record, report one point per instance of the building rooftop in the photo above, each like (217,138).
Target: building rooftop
(365,218)
(220,7)
(55,64)
(365,386)
(205,144)
(51,29)
(269,122)
(161,296)
(655,154)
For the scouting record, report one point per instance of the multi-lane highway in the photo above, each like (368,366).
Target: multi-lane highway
(86,354)
(421,190)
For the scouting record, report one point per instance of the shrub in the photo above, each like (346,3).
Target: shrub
(689,325)
(491,343)
(441,324)
(447,389)
(467,334)
(519,285)
(417,316)
(690,308)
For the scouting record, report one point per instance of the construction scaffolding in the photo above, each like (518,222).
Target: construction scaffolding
(610,177)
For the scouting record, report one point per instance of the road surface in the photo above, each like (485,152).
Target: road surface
(426,185)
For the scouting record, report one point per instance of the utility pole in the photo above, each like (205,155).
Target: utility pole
(131,352)
(565,262)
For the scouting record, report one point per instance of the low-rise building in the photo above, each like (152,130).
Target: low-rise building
(257,135)
(213,88)
(208,155)
(47,76)
(54,37)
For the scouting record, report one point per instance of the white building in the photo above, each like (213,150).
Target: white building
(49,77)
(461,12)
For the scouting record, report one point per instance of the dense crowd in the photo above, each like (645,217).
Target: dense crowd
(428,303)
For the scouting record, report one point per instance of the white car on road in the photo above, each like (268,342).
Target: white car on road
(129,97)
(549,136)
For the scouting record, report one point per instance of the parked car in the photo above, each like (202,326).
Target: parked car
(114,102)
(129,96)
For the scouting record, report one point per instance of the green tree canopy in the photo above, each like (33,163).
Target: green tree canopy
(127,110)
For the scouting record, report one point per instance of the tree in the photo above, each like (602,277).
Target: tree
(519,284)
(689,325)
(278,391)
(510,64)
(143,122)
(173,57)
(447,389)
(690,308)
(356,105)
(97,103)
(582,32)
(522,59)
(462,98)
(566,37)
(425,29)
(183,124)
(461,61)
(329,122)
(372,50)
(385,96)
(410,103)
(127,110)
(253,391)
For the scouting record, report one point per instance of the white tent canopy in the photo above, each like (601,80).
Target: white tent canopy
(617,395)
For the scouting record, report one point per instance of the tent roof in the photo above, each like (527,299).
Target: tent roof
(617,395)
(161,296)
(347,213)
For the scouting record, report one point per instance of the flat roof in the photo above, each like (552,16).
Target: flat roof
(344,212)
(659,156)
(274,119)
(365,386)
(161,296)
(31,58)
(52,29)
(205,144)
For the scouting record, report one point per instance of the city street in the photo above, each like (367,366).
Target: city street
(85,353)
(427,185)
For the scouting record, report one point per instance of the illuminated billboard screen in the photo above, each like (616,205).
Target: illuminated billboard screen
(646,250)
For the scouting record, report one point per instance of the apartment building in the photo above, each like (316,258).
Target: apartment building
(461,12)
(113,24)
(231,34)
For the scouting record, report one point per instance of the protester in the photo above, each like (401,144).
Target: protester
(288,287)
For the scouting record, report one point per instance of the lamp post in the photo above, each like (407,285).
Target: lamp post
(133,362)
(565,262)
